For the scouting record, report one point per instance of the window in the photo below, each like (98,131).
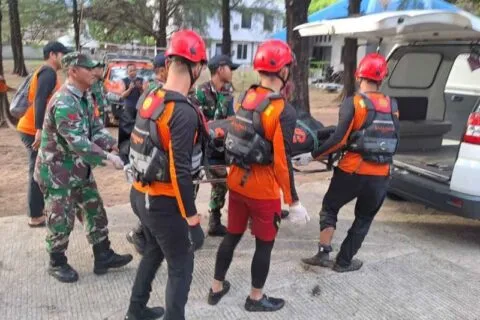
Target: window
(461,77)
(415,70)
(242,51)
(218,48)
(220,20)
(246,20)
(268,22)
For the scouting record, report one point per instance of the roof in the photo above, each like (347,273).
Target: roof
(339,10)
(406,26)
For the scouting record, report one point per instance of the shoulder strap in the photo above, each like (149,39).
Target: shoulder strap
(256,119)
(371,110)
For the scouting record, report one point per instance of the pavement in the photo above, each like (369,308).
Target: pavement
(419,264)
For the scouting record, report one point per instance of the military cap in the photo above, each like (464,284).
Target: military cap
(78,59)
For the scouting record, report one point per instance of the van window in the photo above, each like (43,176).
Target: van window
(415,70)
(462,79)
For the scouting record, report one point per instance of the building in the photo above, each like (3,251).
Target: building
(247,27)
(329,49)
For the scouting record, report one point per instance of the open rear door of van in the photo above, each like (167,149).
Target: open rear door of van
(428,45)
(398,26)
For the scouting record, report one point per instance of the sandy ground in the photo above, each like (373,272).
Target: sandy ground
(112,184)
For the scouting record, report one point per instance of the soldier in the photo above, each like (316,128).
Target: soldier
(215,99)
(73,142)
(98,91)
(160,74)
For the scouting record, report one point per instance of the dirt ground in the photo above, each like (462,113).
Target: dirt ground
(112,185)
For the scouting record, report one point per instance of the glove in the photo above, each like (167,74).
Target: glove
(302,159)
(128,173)
(298,214)
(115,160)
(196,236)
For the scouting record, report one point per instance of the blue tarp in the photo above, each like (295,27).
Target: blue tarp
(339,10)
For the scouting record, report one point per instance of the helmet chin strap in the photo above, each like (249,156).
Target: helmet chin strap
(284,81)
(190,72)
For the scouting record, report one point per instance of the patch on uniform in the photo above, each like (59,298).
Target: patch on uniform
(147,103)
(269,110)
(250,98)
(160,93)
(362,103)
(72,116)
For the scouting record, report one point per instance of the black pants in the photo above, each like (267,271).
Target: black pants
(370,192)
(126,124)
(166,234)
(35,196)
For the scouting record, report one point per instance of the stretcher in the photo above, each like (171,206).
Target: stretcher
(309,135)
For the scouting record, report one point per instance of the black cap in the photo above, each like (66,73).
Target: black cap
(221,60)
(55,47)
(159,60)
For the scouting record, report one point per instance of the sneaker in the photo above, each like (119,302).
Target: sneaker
(215,297)
(266,304)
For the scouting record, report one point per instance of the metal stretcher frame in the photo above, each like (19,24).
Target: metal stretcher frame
(328,167)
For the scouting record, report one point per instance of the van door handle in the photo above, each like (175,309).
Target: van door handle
(456,98)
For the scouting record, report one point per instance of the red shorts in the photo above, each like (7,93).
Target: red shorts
(265,216)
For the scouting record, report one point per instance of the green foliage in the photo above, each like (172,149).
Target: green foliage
(317,5)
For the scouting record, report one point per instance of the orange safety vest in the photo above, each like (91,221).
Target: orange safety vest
(26,124)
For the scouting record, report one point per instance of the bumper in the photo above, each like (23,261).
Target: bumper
(433,194)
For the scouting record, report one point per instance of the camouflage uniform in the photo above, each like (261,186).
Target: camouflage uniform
(98,93)
(215,106)
(73,142)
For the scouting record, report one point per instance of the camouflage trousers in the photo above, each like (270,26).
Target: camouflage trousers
(61,207)
(219,189)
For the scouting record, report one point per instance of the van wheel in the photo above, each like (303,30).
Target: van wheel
(394,197)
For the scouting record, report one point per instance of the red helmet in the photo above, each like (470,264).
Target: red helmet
(272,56)
(187,44)
(373,67)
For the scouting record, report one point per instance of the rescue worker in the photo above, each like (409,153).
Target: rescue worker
(73,142)
(258,147)
(43,85)
(98,91)
(162,194)
(215,99)
(368,131)
(136,235)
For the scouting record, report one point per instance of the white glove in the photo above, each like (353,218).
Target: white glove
(302,159)
(128,173)
(298,214)
(115,160)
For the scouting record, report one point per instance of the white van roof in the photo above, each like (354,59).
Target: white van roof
(411,25)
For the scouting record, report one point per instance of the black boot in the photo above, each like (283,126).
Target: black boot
(137,238)
(136,312)
(322,258)
(354,265)
(106,258)
(60,269)
(215,227)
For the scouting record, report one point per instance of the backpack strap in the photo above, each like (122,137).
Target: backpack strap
(370,108)
(256,118)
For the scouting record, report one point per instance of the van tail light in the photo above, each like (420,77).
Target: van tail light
(472,135)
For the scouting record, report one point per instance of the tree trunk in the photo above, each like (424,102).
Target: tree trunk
(16,39)
(1,47)
(161,38)
(76,24)
(297,13)
(226,36)
(350,54)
